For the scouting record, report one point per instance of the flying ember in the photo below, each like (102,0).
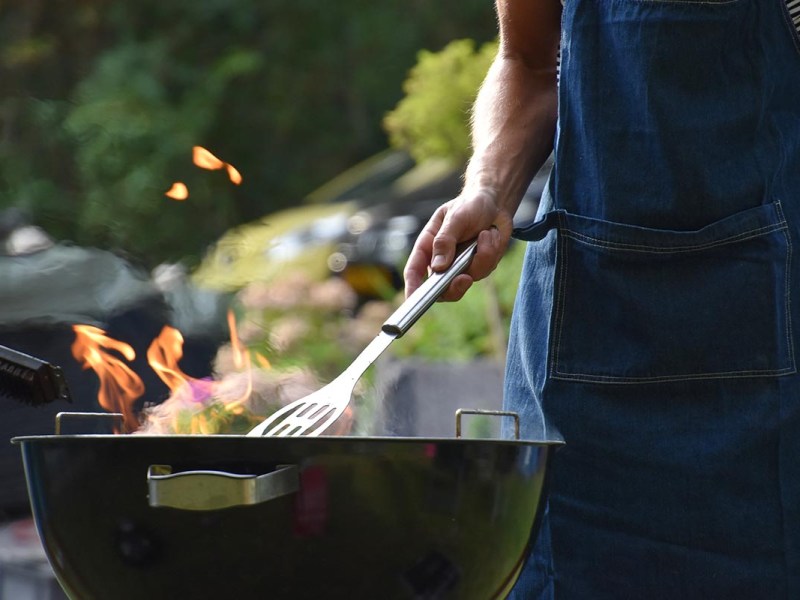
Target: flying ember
(205,160)
(178,191)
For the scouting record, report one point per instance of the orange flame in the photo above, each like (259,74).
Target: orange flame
(240,356)
(241,359)
(178,191)
(163,356)
(119,385)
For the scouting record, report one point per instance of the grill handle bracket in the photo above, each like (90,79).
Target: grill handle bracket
(116,419)
(215,490)
(491,413)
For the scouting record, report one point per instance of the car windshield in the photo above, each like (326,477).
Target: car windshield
(364,179)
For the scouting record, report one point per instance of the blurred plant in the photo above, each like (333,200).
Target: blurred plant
(432,120)
(298,322)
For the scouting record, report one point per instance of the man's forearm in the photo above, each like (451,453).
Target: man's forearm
(514,117)
(513,126)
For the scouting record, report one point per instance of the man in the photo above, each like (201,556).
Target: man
(655,321)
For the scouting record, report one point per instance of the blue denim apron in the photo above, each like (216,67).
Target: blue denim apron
(657,315)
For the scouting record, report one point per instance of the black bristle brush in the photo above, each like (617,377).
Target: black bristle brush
(27,379)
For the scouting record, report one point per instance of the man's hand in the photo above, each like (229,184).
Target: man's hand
(472,214)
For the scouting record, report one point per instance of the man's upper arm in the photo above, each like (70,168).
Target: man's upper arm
(530,31)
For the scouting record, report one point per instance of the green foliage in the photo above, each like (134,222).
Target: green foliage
(102,101)
(432,120)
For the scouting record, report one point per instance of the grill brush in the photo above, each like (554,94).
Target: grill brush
(29,380)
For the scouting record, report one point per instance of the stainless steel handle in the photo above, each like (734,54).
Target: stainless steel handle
(425,295)
(213,490)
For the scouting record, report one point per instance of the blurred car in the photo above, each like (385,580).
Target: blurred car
(360,226)
(380,235)
(300,238)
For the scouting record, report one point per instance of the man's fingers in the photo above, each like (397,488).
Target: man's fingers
(436,246)
(415,271)
(444,249)
(491,248)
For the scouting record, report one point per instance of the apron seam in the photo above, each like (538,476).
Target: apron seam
(562,284)
(781,495)
(739,237)
(613,379)
(788,301)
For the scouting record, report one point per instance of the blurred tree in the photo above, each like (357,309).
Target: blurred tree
(103,99)
(432,120)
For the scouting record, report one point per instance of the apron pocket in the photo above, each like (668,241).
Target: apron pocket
(638,305)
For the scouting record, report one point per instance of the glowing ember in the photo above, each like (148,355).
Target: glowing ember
(178,191)
(233,174)
(119,385)
(205,160)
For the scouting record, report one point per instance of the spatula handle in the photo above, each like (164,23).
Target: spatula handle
(425,295)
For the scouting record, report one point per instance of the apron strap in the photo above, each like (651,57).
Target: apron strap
(536,231)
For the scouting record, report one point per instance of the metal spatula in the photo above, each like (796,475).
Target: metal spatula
(314,413)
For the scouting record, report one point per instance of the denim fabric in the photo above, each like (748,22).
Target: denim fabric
(656,319)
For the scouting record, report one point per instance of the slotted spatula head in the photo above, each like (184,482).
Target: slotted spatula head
(313,414)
